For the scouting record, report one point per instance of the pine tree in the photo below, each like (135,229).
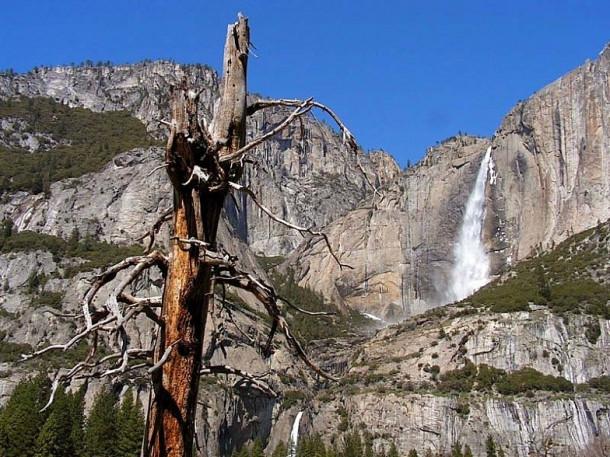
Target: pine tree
(243,452)
(367,438)
(490,447)
(281,450)
(334,451)
(101,428)
(456,450)
(413,453)
(130,420)
(21,419)
(257,448)
(318,449)
(55,437)
(353,445)
(467,451)
(393,452)
(76,404)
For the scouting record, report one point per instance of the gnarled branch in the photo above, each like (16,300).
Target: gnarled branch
(302,230)
(154,230)
(267,296)
(244,376)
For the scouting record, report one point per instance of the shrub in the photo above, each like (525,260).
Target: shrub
(601,383)
(528,380)
(45,298)
(292,398)
(84,141)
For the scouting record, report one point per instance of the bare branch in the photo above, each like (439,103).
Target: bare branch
(302,230)
(230,314)
(164,357)
(301,109)
(133,353)
(206,255)
(267,296)
(75,339)
(348,138)
(80,366)
(199,174)
(152,302)
(54,388)
(154,170)
(304,311)
(64,315)
(141,263)
(244,375)
(165,216)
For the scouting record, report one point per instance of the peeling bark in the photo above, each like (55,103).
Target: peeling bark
(203,166)
(200,187)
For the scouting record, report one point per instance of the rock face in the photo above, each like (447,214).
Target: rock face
(552,157)
(401,248)
(550,179)
(143,89)
(393,390)
(550,160)
(429,422)
(304,174)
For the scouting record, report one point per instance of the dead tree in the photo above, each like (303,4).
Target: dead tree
(204,164)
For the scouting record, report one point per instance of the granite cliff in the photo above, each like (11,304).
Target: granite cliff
(549,180)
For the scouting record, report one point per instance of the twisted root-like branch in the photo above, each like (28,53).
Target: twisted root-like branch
(267,296)
(140,264)
(302,230)
(244,376)
(72,373)
(119,308)
(166,215)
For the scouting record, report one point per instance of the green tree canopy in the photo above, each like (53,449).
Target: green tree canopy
(101,428)
(21,419)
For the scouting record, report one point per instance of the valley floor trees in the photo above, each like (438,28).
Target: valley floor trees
(204,163)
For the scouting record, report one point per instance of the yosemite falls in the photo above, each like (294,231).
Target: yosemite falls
(471,268)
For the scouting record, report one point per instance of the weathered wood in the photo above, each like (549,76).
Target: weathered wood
(200,187)
(203,166)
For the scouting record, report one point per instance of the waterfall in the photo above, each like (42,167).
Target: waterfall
(294,435)
(471,269)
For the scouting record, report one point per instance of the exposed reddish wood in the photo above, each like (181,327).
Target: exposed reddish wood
(200,187)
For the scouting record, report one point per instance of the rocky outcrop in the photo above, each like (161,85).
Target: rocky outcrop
(400,247)
(305,174)
(553,156)
(143,89)
(391,386)
(430,422)
(550,179)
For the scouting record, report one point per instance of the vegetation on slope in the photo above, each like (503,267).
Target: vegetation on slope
(72,142)
(309,328)
(95,253)
(111,428)
(486,378)
(573,277)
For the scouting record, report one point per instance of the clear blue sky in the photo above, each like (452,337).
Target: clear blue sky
(402,74)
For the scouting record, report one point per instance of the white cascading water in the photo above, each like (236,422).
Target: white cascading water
(471,269)
(294,435)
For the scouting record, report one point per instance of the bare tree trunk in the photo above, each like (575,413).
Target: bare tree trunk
(200,185)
